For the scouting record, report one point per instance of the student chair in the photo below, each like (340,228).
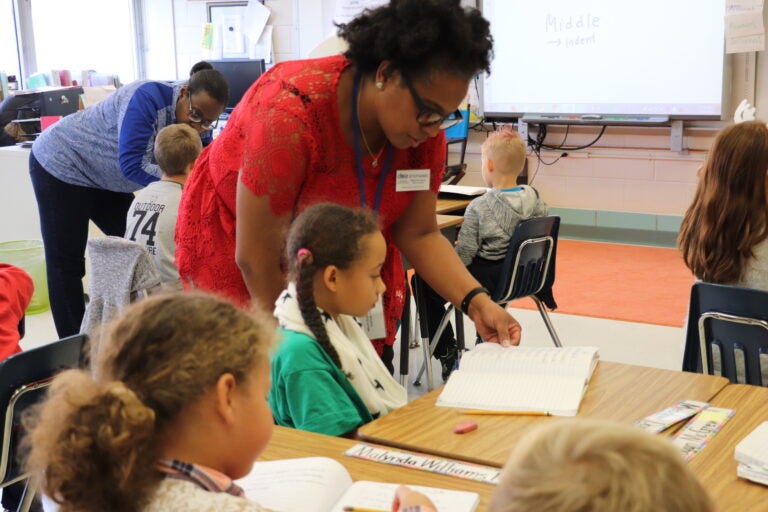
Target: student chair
(24,379)
(122,271)
(458,134)
(528,271)
(727,333)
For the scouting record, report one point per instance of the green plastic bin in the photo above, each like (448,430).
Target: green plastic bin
(29,255)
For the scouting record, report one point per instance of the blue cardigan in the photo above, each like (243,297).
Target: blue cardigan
(110,145)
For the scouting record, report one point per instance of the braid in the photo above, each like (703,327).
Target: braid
(309,311)
(324,234)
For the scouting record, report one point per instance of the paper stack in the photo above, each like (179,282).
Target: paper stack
(752,455)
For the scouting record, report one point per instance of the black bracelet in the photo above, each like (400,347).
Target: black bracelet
(471,295)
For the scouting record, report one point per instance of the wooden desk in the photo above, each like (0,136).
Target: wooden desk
(447,221)
(617,391)
(288,443)
(445,205)
(715,465)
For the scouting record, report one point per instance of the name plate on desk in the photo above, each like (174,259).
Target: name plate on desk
(466,470)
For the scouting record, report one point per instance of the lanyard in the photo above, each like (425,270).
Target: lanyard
(359,157)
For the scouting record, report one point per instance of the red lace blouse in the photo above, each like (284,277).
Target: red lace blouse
(284,140)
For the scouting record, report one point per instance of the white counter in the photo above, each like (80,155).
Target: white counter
(18,207)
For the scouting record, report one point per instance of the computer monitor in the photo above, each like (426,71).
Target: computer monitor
(240,74)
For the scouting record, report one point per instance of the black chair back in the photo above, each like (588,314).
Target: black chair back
(731,321)
(24,378)
(529,266)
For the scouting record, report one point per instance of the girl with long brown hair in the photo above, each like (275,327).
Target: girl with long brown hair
(724,234)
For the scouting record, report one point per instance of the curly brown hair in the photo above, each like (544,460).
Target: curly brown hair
(96,440)
(728,216)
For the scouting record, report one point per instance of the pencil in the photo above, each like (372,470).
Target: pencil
(358,509)
(507,413)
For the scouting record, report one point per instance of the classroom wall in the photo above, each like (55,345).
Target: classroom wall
(631,171)
(189,16)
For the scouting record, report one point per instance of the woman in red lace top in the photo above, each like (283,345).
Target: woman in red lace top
(359,129)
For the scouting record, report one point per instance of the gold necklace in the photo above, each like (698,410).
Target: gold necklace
(375,158)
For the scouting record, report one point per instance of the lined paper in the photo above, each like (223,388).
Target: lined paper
(547,379)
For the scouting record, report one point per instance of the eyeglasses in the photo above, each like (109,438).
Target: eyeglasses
(197,118)
(429,116)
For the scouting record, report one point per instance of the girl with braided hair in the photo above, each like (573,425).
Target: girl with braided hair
(326,375)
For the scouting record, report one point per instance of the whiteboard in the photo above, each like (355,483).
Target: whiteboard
(606,57)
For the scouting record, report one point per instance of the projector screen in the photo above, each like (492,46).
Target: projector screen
(663,57)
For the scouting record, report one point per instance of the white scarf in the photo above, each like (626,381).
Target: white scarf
(359,361)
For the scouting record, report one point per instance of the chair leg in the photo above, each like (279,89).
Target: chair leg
(405,337)
(413,340)
(458,319)
(547,321)
(30,489)
(427,364)
(424,332)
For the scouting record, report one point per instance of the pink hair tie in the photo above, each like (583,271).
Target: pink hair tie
(303,252)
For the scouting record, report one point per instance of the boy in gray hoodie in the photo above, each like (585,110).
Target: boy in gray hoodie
(489,222)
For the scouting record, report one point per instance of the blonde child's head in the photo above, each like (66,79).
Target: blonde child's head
(177,146)
(729,212)
(168,359)
(334,256)
(599,466)
(503,156)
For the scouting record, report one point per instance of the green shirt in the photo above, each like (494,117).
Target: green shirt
(309,392)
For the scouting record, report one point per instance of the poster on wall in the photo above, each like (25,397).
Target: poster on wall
(237,27)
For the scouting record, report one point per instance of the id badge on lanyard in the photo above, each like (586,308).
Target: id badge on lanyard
(373,322)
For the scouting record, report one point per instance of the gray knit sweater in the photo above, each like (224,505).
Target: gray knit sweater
(491,218)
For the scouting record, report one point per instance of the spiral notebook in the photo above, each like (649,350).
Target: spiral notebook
(527,379)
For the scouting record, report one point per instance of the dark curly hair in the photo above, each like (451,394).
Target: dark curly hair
(420,36)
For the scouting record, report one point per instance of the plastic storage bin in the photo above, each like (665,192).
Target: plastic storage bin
(29,255)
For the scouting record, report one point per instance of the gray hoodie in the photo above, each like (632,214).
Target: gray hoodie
(491,218)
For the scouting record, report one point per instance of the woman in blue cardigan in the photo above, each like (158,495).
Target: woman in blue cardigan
(87,166)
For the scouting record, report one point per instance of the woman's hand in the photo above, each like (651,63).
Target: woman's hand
(406,497)
(494,323)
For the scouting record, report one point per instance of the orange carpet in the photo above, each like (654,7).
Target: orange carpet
(620,282)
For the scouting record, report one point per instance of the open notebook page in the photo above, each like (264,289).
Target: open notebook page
(311,484)
(378,496)
(753,449)
(547,379)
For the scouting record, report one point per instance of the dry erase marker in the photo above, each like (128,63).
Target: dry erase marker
(507,413)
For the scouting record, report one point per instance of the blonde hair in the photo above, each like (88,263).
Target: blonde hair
(95,442)
(177,146)
(506,149)
(597,466)
(729,213)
